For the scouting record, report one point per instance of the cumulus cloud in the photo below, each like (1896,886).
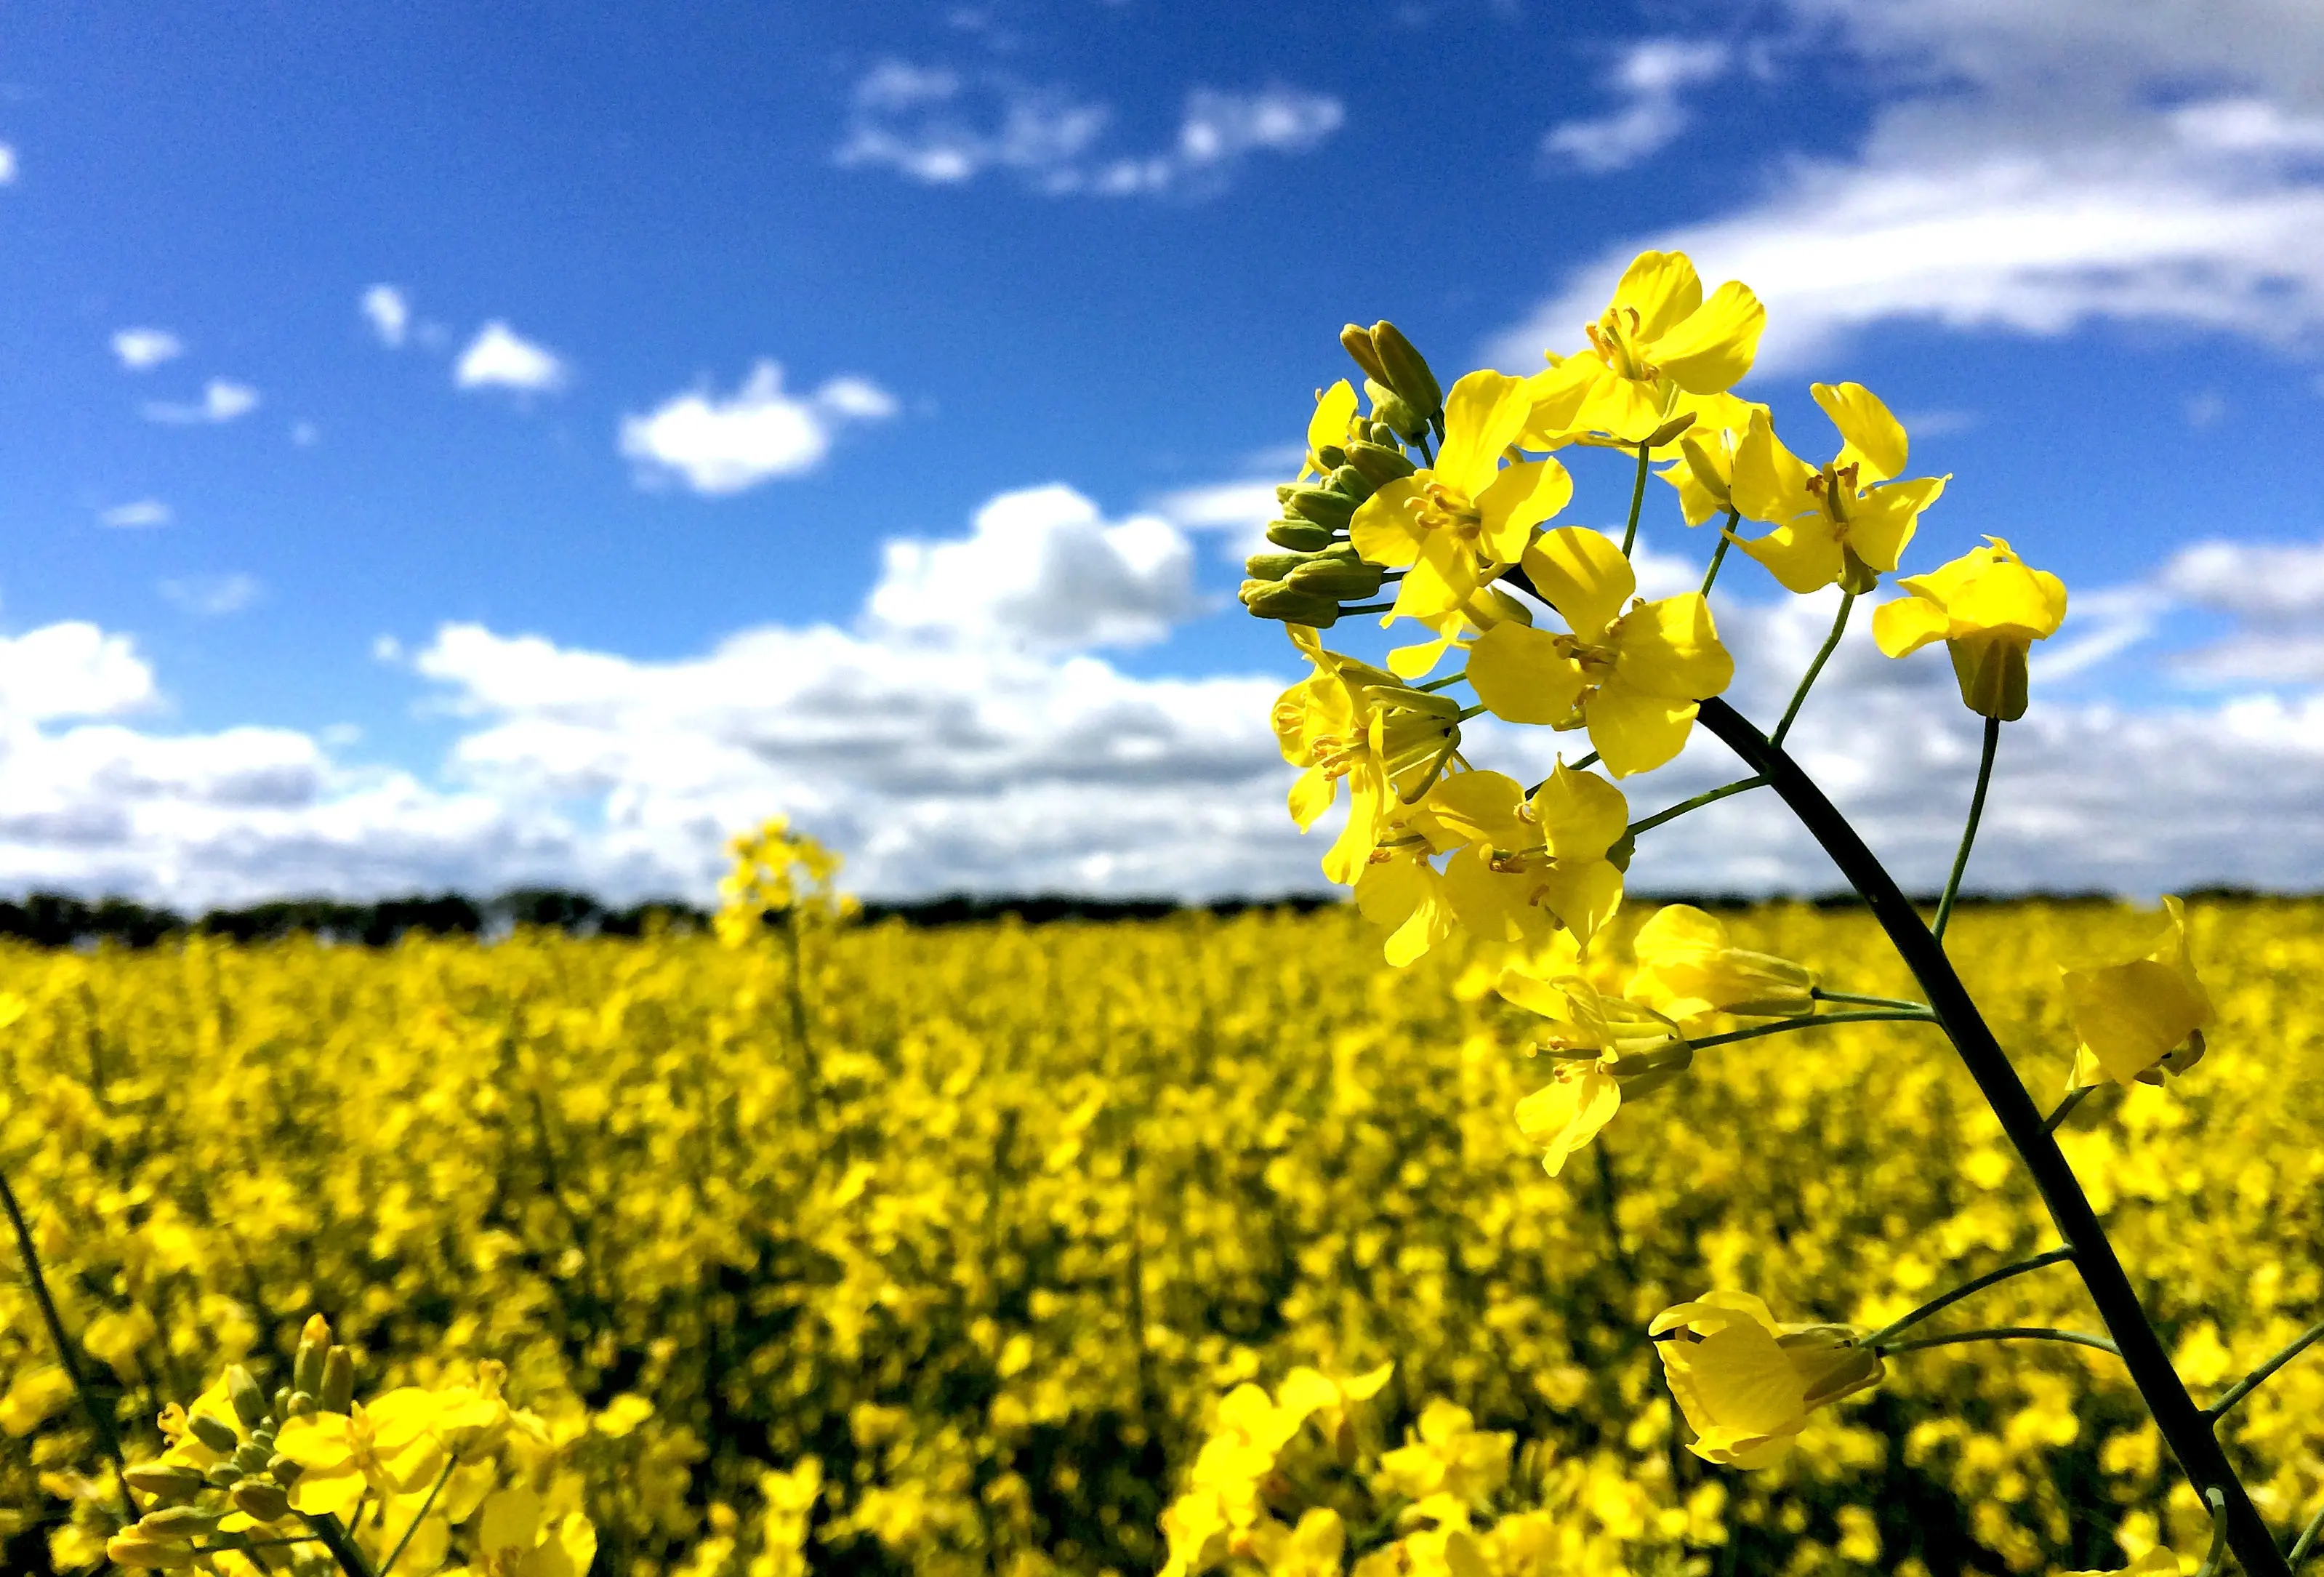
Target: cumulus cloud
(211,596)
(389,312)
(1044,568)
(498,358)
(2055,171)
(1239,511)
(720,445)
(223,401)
(939,128)
(139,349)
(1649,76)
(137,514)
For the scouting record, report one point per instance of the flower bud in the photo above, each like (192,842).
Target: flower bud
(1337,579)
(164,1480)
(1300,536)
(283,1471)
(1332,456)
(257,1497)
(176,1522)
(214,1433)
(221,1477)
(1406,370)
(338,1390)
(1349,480)
(1270,600)
(1380,464)
(1325,508)
(252,1459)
(1361,349)
(302,1406)
(249,1401)
(1385,436)
(1402,419)
(1273,566)
(133,1550)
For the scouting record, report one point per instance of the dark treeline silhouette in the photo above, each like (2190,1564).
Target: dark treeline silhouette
(57,920)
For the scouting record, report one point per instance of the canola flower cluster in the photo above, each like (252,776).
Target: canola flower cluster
(1447,495)
(965,1278)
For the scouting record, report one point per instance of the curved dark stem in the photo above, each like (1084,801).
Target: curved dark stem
(333,1536)
(2065,1108)
(2182,1424)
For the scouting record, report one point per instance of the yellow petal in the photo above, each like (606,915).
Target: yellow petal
(1566,1114)
(1484,412)
(327,1491)
(1803,556)
(1662,288)
(1872,439)
(1523,675)
(1492,905)
(1770,481)
(1382,528)
(1903,627)
(1312,796)
(1584,893)
(318,1443)
(1334,407)
(1557,397)
(1519,498)
(1634,732)
(1670,648)
(1583,576)
(1710,351)
(1884,520)
(1678,930)
(1480,806)
(1582,815)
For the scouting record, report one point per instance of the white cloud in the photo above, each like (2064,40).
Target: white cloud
(1650,77)
(497,358)
(1240,511)
(2051,172)
(72,670)
(721,445)
(7,165)
(139,512)
(939,128)
(222,400)
(141,348)
(389,312)
(1045,569)
(212,596)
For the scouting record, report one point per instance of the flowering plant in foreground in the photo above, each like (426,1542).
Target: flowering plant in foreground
(1447,495)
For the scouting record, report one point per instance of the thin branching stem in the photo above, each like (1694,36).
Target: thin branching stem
(2065,1108)
(1708,797)
(2306,1539)
(2258,1377)
(1718,554)
(1815,669)
(395,1554)
(1815,1021)
(1966,1289)
(2215,1504)
(2003,1333)
(1822,995)
(1968,829)
(1637,500)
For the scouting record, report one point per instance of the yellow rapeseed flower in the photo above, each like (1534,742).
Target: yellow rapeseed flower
(1747,1384)
(2136,1018)
(1989,608)
(1844,523)
(1689,966)
(1658,346)
(1349,720)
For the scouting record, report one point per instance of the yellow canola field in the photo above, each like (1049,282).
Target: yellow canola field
(986,1221)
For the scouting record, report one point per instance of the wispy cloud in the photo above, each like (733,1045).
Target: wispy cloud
(140,349)
(222,400)
(7,165)
(389,312)
(497,358)
(1649,76)
(212,596)
(937,126)
(138,514)
(720,445)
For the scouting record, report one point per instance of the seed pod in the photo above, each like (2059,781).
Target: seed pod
(1380,464)
(338,1390)
(257,1497)
(176,1522)
(249,1401)
(1340,582)
(212,1433)
(1406,370)
(1325,509)
(1300,536)
(1358,343)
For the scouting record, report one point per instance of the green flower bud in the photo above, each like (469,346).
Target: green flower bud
(1272,567)
(1338,581)
(1300,536)
(212,1433)
(302,1406)
(1351,481)
(249,1401)
(1380,464)
(1358,342)
(1380,433)
(1325,509)
(307,1367)
(1406,422)
(164,1480)
(1332,455)
(1406,370)
(283,1471)
(251,1459)
(257,1497)
(1270,600)
(176,1522)
(338,1390)
(127,1549)
(221,1477)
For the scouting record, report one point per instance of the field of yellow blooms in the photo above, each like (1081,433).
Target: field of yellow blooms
(948,1250)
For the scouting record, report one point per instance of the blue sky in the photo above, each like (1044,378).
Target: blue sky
(450,448)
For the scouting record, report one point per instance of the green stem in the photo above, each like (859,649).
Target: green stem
(2065,1108)
(2306,1539)
(1822,995)
(2004,1334)
(1966,1288)
(1708,796)
(1367,608)
(2182,1425)
(2258,1377)
(1589,760)
(2215,1503)
(333,1538)
(1813,1022)
(395,1554)
(100,1418)
(1446,683)
(1718,554)
(1968,831)
(1808,679)
(1466,713)
(1637,500)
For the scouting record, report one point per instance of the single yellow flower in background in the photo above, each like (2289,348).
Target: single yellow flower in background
(1989,608)
(1844,523)
(1447,1454)
(1455,525)
(1633,678)
(2136,1019)
(1689,966)
(1658,346)
(1747,1384)
(1312,1549)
